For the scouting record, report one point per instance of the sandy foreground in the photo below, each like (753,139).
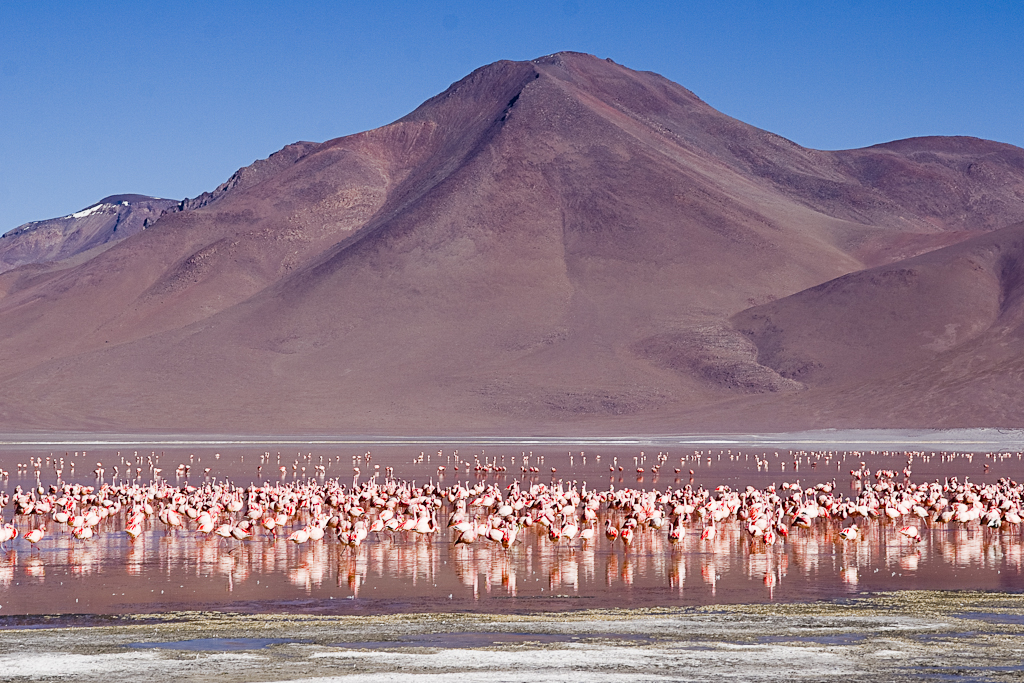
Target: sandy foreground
(893,637)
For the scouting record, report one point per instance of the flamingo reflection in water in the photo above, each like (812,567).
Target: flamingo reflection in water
(490,528)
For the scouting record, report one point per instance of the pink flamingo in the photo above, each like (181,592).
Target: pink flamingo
(587,535)
(626,535)
(35,536)
(8,532)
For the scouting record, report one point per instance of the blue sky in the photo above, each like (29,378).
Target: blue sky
(169,99)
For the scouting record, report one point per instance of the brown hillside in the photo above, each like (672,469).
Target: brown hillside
(547,246)
(936,340)
(108,221)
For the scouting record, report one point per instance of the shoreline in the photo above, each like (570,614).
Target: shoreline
(907,635)
(987,438)
(927,602)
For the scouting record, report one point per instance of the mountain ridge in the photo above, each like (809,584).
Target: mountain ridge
(109,220)
(555,245)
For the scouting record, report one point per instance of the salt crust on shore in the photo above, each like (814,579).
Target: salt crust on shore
(896,636)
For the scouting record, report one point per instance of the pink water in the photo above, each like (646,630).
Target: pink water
(173,570)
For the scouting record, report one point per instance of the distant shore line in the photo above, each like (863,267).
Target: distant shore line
(845,439)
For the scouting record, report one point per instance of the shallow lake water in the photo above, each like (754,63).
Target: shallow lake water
(402,573)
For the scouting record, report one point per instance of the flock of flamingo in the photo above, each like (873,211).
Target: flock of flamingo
(568,514)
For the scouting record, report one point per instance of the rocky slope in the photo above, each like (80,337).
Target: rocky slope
(109,220)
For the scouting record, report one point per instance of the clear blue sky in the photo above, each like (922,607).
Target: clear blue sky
(169,99)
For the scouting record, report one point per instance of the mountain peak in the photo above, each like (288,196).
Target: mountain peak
(554,245)
(109,220)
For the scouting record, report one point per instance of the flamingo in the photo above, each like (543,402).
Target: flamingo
(377,526)
(359,532)
(206,525)
(8,532)
(467,536)
(169,517)
(509,535)
(425,524)
(133,530)
(587,534)
(242,531)
(570,530)
(35,536)
(270,524)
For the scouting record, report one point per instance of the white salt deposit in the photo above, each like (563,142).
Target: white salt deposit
(53,664)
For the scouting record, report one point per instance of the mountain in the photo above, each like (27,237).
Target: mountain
(934,340)
(556,246)
(109,220)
